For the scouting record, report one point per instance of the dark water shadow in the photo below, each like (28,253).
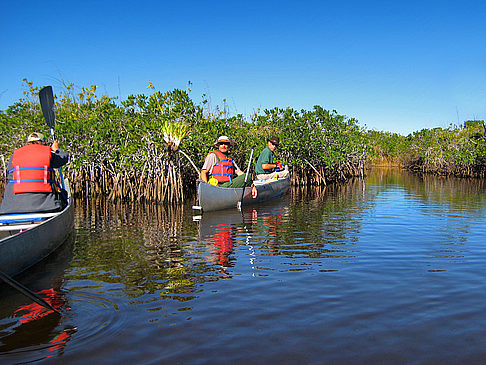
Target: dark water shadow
(26,327)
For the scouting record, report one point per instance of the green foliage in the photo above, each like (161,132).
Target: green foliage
(128,136)
(319,137)
(386,146)
(458,150)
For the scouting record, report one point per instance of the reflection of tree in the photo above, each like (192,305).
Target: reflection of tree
(459,194)
(136,244)
(449,205)
(385,176)
(322,221)
(154,248)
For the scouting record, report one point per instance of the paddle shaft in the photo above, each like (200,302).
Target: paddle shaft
(27,292)
(246,178)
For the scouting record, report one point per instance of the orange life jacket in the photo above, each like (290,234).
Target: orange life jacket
(225,169)
(31,169)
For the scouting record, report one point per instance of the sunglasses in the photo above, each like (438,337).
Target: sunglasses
(224,143)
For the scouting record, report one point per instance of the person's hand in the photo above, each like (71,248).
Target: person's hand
(280,167)
(55,146)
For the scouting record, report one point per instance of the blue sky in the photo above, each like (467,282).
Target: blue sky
(392,65)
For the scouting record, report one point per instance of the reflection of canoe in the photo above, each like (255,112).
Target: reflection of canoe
(210,221)
(216,198)
(25,325)
(25,239)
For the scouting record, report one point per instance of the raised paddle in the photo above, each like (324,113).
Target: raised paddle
(27,292)
(46,98)
(246,179)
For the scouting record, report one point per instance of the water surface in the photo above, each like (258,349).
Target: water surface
(387,270)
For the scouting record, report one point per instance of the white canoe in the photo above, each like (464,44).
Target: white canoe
(213,198)
(26,239)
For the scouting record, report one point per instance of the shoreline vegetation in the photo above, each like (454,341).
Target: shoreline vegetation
(148,148)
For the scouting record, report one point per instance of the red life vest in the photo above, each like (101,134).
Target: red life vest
(31,169)
(225,169)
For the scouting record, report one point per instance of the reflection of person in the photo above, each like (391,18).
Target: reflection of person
(270,224)
(31,186)
(36,319)
(220,166)
(266,168)
(223,241)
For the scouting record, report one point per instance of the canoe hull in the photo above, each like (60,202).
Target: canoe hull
(22,250)
(213,198)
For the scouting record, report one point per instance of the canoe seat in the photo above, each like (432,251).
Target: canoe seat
(24,218)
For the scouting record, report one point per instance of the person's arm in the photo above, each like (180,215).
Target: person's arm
(209,163)
(58,157)
(238,171)
(204,175)
(268,166)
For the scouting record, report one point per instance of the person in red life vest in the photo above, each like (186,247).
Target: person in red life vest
(220,166)
(31,187)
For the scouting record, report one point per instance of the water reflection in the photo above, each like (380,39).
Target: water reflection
(252,226)
(28,330)
(393,260)
(456,193)
(216,232)
(134,244)
(444,214)
(159,249)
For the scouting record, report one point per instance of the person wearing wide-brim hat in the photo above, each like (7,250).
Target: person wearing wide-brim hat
(221,170)
(30,178)
(224,139)
(266,167)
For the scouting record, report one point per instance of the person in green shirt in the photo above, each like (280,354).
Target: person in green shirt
(266,168)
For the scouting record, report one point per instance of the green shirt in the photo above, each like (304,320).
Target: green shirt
(266,156)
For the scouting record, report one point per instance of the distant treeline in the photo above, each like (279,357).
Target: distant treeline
(129,149)
(459,150)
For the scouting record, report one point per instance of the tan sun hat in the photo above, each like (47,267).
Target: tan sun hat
(36,136)
(223,139)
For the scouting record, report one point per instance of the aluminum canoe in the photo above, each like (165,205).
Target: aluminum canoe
(213,198)
(25,239)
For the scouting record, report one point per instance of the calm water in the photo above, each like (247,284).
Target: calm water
(390,270)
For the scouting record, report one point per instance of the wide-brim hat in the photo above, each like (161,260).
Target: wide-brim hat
(35,137)
(275,140)
(223,139)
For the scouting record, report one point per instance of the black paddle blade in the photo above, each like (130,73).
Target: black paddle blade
(46,98)
(27,292)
